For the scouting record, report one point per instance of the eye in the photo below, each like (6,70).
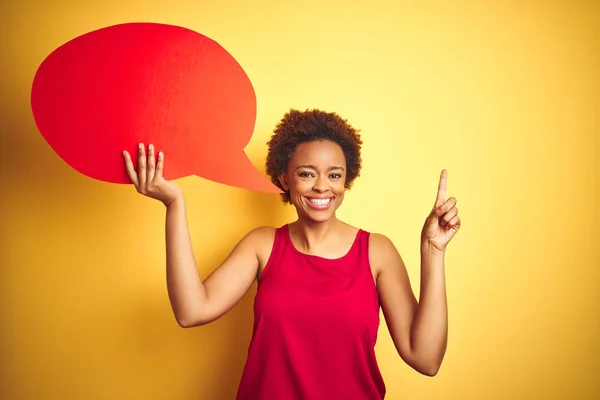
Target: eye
(335,176)
(305,174)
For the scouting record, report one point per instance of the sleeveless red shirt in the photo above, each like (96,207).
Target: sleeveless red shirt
(315,327)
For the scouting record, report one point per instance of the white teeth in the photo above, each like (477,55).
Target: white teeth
(320,201)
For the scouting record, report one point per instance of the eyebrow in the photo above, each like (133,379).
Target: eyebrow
(315,168)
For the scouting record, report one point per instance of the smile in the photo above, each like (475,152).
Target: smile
(319,203)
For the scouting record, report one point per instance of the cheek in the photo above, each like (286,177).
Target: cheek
(296,191)
(300,185)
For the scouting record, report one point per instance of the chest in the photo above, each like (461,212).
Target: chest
(319,297)
(265,254)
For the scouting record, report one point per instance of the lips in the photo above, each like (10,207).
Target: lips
(319,203)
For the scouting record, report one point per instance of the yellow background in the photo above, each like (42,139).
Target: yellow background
(505,96)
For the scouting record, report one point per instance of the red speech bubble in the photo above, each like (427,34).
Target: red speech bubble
(110,89)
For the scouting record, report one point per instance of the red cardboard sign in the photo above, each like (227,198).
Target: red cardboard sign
(110,89)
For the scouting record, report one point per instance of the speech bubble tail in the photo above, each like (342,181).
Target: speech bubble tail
(234,170)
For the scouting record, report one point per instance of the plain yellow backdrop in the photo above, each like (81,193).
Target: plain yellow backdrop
(505,96)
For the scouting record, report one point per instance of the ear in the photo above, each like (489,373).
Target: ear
(283,181)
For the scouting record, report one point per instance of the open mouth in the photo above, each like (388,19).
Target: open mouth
(319,203)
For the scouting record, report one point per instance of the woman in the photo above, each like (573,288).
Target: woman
(320,281)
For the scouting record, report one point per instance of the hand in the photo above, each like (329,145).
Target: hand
(149,179)
(443,221)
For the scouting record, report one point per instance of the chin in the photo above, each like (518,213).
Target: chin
(316,215)
(320,218)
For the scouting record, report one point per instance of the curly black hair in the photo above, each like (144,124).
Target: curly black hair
(298,127)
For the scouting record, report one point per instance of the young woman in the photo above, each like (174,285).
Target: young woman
(321,281)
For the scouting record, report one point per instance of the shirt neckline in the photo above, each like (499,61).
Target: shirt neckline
(289,239)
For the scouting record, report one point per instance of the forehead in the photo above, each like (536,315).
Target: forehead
(319,153)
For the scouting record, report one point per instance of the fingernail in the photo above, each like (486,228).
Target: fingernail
(151,147)
(141,146)
(160,154)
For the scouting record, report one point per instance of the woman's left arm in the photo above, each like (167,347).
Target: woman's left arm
(419,330)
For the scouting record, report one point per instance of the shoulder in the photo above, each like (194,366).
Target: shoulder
(261,241)
(379,244)
(262,231)
(261,235)
(382,252)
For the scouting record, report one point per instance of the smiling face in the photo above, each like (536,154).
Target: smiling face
(315,178)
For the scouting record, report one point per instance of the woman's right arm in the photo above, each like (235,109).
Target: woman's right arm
(194,302)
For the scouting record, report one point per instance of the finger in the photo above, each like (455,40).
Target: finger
(160,165)
(130,170)
(142,167)
(449,215)
(151,164)
(448,205)
(441,193)
(444,208)
(454,223)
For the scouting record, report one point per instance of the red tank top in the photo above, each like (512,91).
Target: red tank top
(315,327)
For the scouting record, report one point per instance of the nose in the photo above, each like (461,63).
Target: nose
(320,184)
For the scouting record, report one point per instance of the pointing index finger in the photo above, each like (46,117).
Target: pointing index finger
(441,194)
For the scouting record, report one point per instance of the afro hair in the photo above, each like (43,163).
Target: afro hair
(298,127)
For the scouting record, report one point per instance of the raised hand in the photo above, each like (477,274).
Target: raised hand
(443,222)
(149,180)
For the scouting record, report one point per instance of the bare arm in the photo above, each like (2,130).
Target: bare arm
(419,329)
(194,302)
(430,327)
(186,291)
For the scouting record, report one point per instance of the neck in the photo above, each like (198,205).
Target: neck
(311,233)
